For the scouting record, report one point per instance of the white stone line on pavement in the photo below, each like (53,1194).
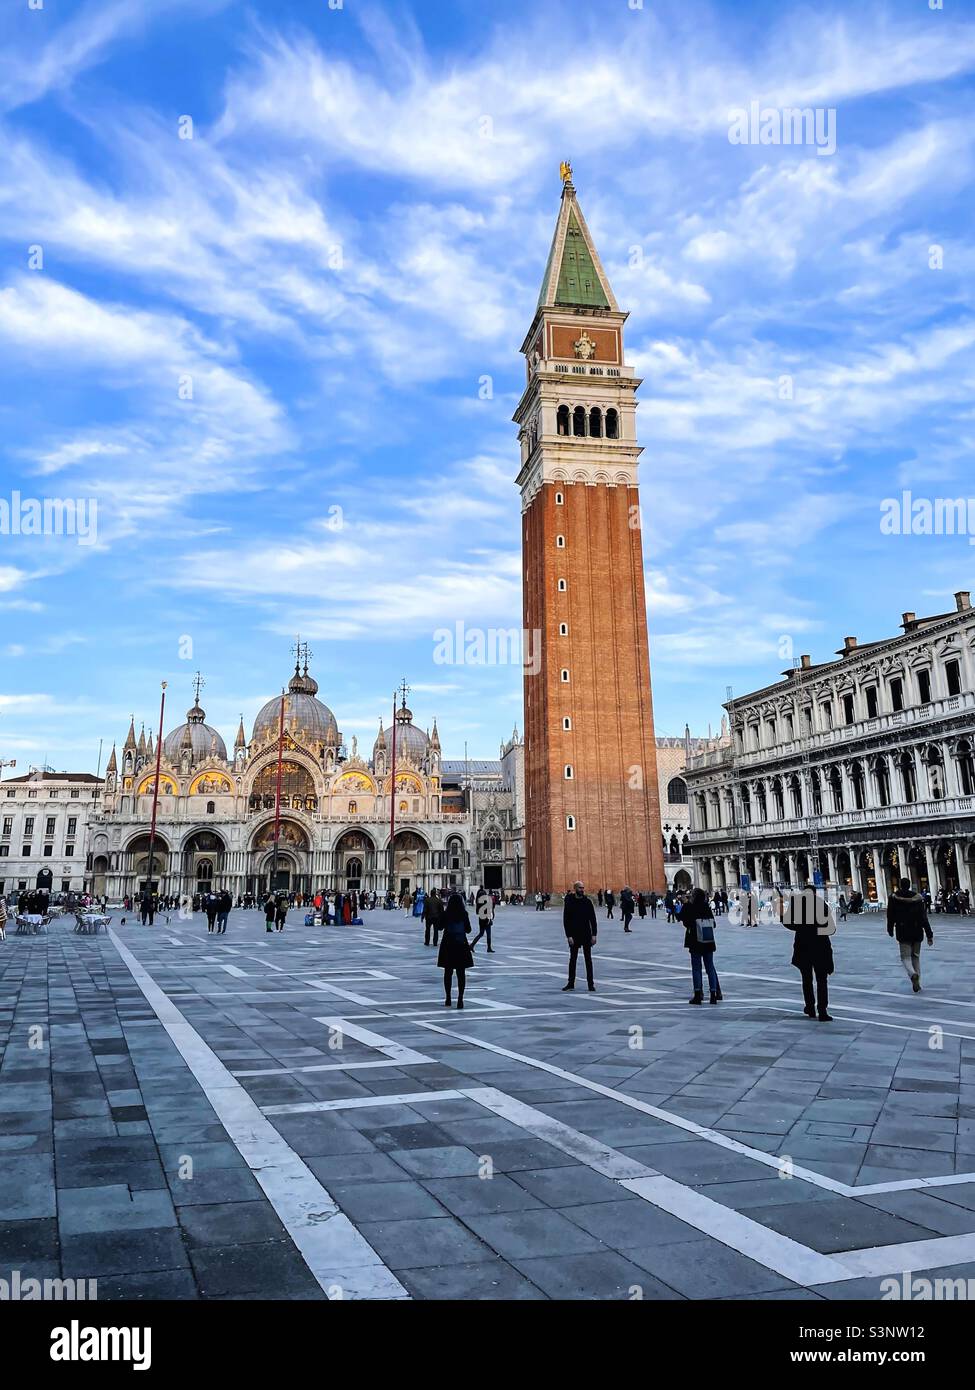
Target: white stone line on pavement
(785,1256)
(777,1252)
(907,1258)
(711,1135)
(668,1116)
(768,1248)
(847,1017)
(312,1107)
(342,1261)
(342,993)
(402,1056)
(332,1066)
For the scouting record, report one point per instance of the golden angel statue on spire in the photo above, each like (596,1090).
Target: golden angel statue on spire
(565,169)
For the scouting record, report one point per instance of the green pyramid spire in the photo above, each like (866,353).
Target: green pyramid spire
(574,277)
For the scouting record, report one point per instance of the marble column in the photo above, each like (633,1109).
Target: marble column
(831,865)
(961,864)
(933,881)
(856,882)
(793,872)
(880,873)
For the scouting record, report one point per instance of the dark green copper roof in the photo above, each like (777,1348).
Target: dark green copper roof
(578,281)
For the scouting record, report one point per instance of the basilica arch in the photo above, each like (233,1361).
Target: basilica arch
(203,861)
(136,868)
(294,867)
(299,785)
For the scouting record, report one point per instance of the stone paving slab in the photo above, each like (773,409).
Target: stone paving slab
(118,1166)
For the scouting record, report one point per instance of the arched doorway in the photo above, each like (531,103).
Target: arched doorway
(844,875)
(917,868)
(203,862)
(409,860)
(99,875)
(354,861)
(147,875)
(292,870)
(945,866)
(682,880)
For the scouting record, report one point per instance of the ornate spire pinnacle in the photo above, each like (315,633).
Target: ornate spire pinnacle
(435,737)
(112,765)
(240,741)
(574,275)
(141,749)
(196,715)
(129,744)
(381,736)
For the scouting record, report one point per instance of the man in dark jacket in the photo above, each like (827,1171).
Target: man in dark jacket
(225,903)
(627,905)
(809,915)
(432,916)
(147,907)
(907,919)
(579,923)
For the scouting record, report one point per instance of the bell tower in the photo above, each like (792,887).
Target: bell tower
(592,807)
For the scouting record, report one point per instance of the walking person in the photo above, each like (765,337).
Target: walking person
(579,924)
(3,918)
(908,921)
(210,907)
(269,912)
(654,901)
(699,940)
(432,917)
(224,903)
(843,906)
(484,907)
(281,906)
(610,903)
(627,905)
(669,905)
(809,916)
(641,904)
(455,951)
(147,907)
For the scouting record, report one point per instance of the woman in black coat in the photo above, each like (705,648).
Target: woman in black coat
(455,951)
(699,940)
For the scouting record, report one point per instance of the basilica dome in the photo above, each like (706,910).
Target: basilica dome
(198,735)
(314,721)
(411,742)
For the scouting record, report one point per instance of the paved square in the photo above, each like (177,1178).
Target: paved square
(297,1115)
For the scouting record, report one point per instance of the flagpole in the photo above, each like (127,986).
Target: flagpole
(277,797)
(155,789)
(392,806)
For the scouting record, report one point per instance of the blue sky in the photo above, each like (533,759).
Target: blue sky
(353,240)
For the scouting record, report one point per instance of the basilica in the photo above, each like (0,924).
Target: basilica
(456,823)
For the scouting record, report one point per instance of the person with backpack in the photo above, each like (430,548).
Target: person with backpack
(627,905)
(484,907)
(455,951)
(210,905)
(698,923)
(908,921)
